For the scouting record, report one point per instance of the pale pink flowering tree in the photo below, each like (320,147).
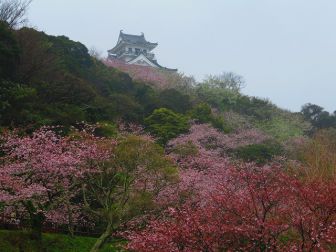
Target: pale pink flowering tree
(40,174)
(141,73)
(204,136)
(158,78)
(209,157)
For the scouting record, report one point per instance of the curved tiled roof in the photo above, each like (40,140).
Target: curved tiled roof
(161,67)
(134,39)
(130,39)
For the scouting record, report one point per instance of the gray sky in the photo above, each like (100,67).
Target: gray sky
(285,49)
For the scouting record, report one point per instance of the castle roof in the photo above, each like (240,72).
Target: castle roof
(161,67)
(135,50)
(151,62)
(131,39)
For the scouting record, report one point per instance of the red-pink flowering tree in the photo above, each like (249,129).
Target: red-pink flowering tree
(248,209)
(313,215)
(217,206)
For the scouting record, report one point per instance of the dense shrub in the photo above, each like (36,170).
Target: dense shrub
(259,153)
(222,99)
(69,85)
(16,103)
(319,155)
(9,52)
(319,118)
(246,209)
(203,114)
(106,129)
(284,125)
(166,124)
(174,100)
(185,150)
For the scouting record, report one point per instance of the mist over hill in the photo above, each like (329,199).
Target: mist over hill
(143,159)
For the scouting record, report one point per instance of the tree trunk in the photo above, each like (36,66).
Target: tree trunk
(70,220)
(36,221)
(102,239)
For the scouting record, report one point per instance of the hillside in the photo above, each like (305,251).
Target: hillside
(155,159)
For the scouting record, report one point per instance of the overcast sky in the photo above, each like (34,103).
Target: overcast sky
(285,49)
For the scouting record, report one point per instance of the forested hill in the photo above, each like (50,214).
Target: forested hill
(53,80)
(164,163)
(48,80)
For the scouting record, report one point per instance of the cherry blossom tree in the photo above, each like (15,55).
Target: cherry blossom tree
(248,209)
(126,183)
(58,179)
(40,173)
(205,136)
(146,74)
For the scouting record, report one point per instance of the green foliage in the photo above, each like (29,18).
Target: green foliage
(260,109)
(220,98)
(236,121)
(318,117)
(185,150)
(14,241)
(126,185)
(15,103)
(69,85)
(259,153)
(106,129)
(318,155)
(226,99)
(166,124)
(284,126)
(174,100)
(134,152)
(9,52)
(220,123)
(147,97)
(108,80)
(62,114)
(65,85)
(226,80)
(126,108)
(203,114)
(74,56)
(67,90)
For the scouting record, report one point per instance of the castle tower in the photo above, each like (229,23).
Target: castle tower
(136,50)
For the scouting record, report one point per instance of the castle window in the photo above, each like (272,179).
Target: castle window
(137,51)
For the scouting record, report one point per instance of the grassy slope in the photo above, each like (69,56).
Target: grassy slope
(11,241)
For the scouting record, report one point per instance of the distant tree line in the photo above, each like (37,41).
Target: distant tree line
(318,116)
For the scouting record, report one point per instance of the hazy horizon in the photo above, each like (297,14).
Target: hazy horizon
(285,50)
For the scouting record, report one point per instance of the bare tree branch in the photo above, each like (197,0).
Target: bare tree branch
(227,80)
(13,12)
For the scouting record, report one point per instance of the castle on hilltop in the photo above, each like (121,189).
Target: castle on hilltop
(135,50)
